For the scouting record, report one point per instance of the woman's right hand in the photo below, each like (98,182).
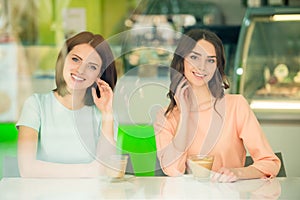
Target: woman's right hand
(185,98)
(104,102)
(187,104)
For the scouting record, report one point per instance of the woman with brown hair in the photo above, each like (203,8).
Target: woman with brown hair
(66,132)
(202,119)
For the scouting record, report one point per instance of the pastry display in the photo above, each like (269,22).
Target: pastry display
(297,77)
(280,83)
(268,55)
(281,71)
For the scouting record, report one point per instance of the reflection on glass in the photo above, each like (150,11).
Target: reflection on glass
(247,189)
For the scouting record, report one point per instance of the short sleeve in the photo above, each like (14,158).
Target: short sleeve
(31,114)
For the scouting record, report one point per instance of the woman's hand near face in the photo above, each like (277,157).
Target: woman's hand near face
(180,96)
(104,104)
(105,101)
(185,98)
(185,101)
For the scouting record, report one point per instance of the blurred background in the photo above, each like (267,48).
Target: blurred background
(263,57)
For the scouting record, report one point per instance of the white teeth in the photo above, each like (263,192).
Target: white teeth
(77,78)
(199,75)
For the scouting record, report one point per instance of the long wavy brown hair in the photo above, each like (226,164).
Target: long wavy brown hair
(108,71)
(188,41)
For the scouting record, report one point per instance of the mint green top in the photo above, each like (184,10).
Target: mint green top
(65,136)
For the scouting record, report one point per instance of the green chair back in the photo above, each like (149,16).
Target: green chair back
(8,144)
(138,141)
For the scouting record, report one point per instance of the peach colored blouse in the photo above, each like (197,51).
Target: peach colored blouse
(240,131)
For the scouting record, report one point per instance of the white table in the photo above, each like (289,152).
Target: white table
(147,188)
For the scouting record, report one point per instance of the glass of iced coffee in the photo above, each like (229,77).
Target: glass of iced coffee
(200,166)
(116,166)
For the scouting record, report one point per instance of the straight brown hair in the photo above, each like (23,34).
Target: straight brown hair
(108,71)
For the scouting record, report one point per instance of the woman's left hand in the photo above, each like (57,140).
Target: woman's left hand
(225,175)
(105,101)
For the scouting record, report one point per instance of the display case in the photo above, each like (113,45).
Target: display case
(155,27)
(267,63)
(149,44)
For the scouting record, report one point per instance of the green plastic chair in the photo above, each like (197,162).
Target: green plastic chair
(138,141)
(8,150)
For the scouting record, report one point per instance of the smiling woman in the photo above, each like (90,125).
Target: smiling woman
(201,63)
(201,119)
(64,133)
(82,68)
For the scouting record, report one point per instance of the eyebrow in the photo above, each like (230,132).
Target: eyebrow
(94,64)
(201,54)
(73,54)
(82,59)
